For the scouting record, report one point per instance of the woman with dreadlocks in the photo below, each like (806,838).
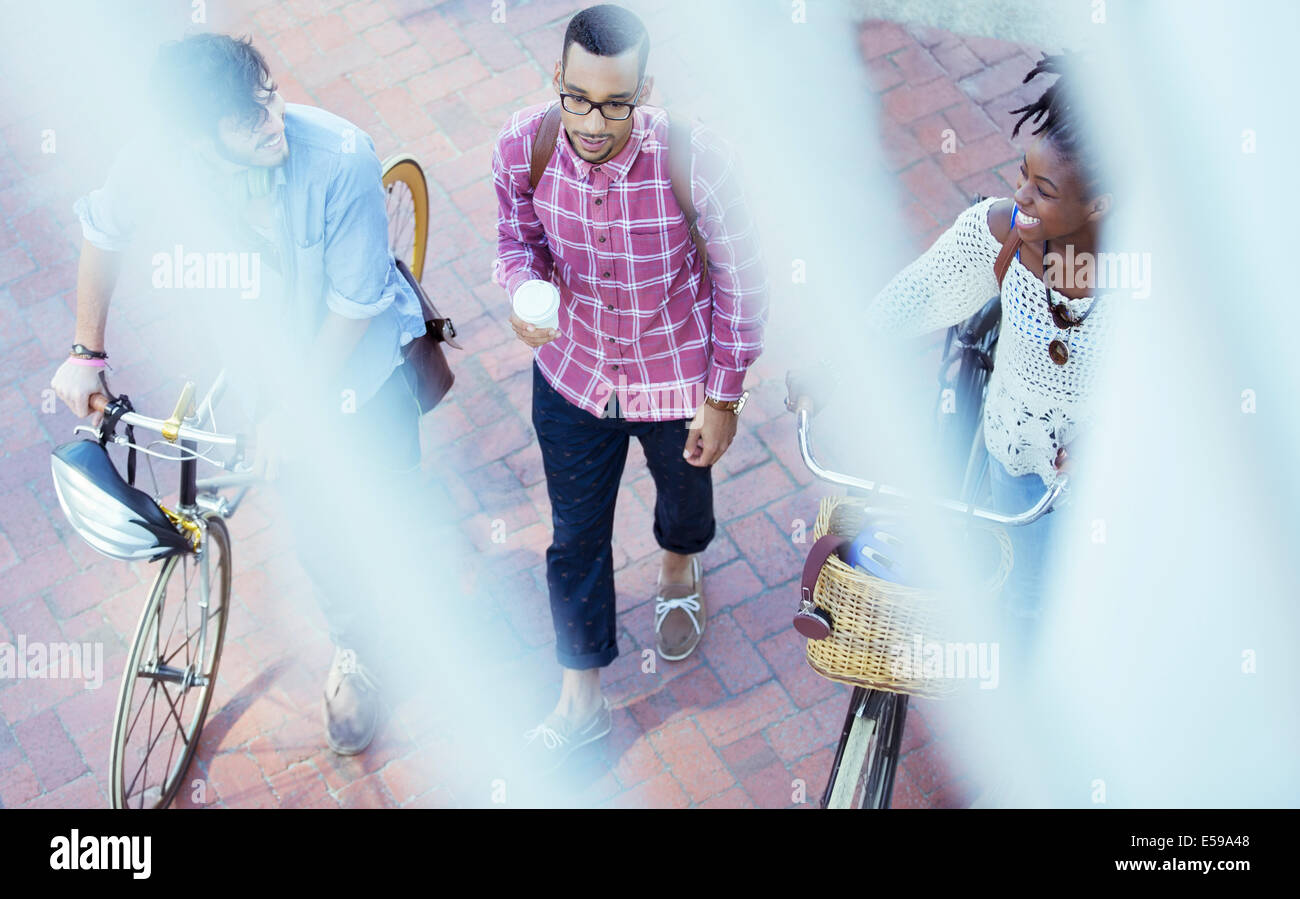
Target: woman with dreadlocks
(1052,331)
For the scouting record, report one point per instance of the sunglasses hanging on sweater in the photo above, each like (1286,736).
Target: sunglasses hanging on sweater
(1059,350)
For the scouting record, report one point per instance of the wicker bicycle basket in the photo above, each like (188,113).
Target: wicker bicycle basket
(875,619)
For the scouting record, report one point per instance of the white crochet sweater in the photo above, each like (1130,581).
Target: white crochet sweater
(1034,405)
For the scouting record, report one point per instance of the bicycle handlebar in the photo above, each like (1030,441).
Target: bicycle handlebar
(98,402)
(803,412)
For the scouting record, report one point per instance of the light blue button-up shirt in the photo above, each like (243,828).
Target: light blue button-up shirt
(331,229)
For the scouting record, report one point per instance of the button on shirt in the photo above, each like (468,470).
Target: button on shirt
(638,313)
(331,234)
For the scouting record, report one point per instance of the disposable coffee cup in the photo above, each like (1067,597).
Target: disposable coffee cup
(538,303)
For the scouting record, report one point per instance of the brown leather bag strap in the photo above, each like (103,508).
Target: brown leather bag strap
(1009,247)
(544,145)
(679,171)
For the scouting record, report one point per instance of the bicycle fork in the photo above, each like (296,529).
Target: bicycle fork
(188,676)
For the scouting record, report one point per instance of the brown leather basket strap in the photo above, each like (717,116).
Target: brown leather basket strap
(544,145)
(679,171)
(1009,247)
(817,556)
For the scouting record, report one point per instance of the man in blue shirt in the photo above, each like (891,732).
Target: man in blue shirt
(316,322)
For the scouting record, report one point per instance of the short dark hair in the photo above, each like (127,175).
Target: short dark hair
(204,78)
(607,30)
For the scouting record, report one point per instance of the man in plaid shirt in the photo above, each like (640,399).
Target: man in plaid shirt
(649,344)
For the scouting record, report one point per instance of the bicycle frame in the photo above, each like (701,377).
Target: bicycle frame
(194,507)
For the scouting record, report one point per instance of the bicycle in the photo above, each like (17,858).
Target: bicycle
(193,539)
(866,757)
(125,523)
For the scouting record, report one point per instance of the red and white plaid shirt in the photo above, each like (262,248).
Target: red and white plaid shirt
(637,314)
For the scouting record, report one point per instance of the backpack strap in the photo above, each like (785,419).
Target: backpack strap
(679,170)
(1009,247)
(544,145)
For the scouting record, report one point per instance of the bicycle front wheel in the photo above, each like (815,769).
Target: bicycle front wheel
(170,672)
(862,774)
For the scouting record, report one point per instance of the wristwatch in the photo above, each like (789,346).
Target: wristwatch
(729,405)
(86,353)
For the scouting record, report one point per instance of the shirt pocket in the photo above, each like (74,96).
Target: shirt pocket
(656,256)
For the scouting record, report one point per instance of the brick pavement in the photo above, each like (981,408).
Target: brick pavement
(735,725)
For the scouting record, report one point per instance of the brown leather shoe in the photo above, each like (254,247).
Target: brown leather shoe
(554,740)
(680,616)
(350,705)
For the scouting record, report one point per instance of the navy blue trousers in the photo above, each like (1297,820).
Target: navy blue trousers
(583,457)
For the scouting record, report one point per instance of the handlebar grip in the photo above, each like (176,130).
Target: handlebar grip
(98,402)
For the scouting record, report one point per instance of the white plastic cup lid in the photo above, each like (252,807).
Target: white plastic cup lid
(537,302)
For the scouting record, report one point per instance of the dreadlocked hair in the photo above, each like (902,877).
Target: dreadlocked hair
(1061,122)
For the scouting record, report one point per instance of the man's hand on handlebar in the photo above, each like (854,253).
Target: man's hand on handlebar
(75,384)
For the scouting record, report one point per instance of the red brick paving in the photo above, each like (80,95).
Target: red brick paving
(744,723)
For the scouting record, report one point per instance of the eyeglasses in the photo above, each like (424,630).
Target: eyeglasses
(610,110)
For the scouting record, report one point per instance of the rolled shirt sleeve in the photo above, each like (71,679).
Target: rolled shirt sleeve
(111,214)
(358,261)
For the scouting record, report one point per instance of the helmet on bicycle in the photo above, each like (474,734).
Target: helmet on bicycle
(109,514)
(887,550)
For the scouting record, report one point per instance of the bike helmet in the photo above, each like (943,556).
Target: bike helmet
(115,518)
(887,550)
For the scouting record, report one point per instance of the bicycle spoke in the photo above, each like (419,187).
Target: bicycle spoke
(176,617)
(131,729)
(126,742)
(192,635)
(401,218)
(180,730)
(144,765)
(213,611)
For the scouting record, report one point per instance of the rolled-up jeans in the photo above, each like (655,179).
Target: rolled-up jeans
(583,457)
